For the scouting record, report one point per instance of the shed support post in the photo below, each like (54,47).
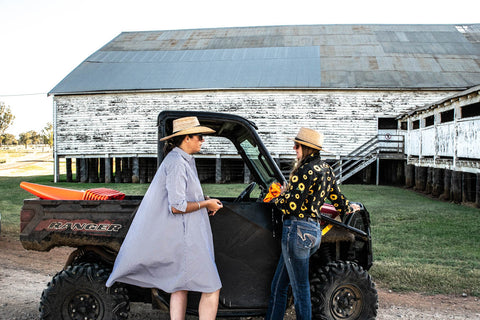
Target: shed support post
(142,170)
(457,186)
(477,191)
(378,171)
(78,166)
(468,187)
(409,176)
(108,170)
(152,169)
(420,178)
(126,170)
(437,188)
(447,183)
(218,169)
(101,165)
(429,181)
(93,170)
(118,170)
(83,170)
(135,171)
(68,164)
(56,169)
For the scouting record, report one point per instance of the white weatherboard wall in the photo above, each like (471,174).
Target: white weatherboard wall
(124,124)
(453,145)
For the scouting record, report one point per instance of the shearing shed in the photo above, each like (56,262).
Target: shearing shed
(350,82)
(442,147)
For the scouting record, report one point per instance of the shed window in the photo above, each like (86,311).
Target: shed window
(446,116)
(403,125)
(387,123)
(472,110)
(429,121)
(416,124)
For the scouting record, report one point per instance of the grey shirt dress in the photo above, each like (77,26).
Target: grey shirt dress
(169,251)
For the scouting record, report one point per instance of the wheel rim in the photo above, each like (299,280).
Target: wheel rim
(84,306)
(346,302)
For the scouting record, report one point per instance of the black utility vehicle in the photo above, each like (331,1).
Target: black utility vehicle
(246,238)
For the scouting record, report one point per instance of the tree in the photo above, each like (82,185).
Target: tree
(30,137)
(6,117)
(25,138)
(47,134)
(8,139)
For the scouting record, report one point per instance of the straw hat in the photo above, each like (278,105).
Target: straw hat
(187,125)
(309,138)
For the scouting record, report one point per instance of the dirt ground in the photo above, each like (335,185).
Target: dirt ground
(24,274)
(34,162)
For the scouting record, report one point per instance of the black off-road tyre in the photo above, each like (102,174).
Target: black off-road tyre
(79,293)
(343,291)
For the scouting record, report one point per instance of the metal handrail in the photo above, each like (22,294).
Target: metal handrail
(365,154)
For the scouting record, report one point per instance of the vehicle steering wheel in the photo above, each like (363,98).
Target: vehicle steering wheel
(245,193)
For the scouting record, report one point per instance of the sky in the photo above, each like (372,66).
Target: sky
(42,41)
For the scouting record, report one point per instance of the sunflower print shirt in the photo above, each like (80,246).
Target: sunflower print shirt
(309,188)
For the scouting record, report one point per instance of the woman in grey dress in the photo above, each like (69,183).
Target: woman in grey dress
(169,244)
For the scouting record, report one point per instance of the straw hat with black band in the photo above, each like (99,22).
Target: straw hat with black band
(187,125)
(310,138)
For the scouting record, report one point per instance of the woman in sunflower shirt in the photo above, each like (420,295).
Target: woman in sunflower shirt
(311,183)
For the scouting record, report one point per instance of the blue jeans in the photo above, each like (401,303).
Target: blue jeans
(300,239)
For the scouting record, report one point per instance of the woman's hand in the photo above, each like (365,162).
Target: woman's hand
(283,188)
(354,207)
(213,205)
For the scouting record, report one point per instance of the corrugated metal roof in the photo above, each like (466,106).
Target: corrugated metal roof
(317,56)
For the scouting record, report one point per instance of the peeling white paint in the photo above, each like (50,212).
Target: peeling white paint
(125,123)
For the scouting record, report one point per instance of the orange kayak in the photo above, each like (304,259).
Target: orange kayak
(56,193)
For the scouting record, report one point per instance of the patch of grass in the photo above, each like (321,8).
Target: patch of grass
(419,244)
(402,276)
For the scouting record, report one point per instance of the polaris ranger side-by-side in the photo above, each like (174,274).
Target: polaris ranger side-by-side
(246,239)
